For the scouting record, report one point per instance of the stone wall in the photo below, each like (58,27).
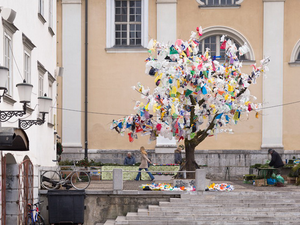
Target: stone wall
(101,205)
(232,163)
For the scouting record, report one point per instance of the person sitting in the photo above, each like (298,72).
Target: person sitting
(276,160)
(178,157)
(129,159)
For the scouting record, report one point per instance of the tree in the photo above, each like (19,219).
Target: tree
(195,96)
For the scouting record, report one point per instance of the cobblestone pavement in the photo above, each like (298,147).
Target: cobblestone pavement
(106,185)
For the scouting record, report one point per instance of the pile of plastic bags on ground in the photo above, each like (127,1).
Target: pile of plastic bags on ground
(169,187)
(220,187)
(165,187)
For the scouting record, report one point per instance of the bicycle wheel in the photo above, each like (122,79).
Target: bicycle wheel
(80,180)
(29,220)
(50,180)
(40,220)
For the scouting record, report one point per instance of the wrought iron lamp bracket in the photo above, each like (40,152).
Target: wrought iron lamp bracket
(6,115)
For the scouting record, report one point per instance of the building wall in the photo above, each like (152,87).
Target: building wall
(42,139)
(111,74)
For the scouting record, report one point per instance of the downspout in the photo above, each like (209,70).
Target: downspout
(86,84)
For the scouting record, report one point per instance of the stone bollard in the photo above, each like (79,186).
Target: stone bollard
(118,179)
(200,179)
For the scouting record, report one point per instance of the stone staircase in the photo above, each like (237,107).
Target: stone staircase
(256,207)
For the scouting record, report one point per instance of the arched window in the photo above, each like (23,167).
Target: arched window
(295,56)
(211,39)
(219,3)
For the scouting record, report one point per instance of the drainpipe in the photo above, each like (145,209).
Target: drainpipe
(86,84)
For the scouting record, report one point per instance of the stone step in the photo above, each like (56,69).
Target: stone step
(157,209)
(209,217)
(218,195)
(232,201)
(236,205)
(192,222)
(109,222)
(238,211)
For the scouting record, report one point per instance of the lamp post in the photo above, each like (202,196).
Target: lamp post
(44,106)
(24,90)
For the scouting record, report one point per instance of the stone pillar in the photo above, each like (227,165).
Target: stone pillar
(200,179)
(166,33)
(273,30)
(71,81)
(117,179)
(12,193)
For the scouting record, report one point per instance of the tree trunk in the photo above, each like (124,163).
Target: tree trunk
(190,164)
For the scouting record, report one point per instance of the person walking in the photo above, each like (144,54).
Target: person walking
(144,164)
(276,160)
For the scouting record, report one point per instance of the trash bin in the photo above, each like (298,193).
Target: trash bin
(66,206)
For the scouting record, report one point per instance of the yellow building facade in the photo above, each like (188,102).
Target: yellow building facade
(102,48)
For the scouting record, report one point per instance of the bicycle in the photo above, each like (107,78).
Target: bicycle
(34,218)
(52,179)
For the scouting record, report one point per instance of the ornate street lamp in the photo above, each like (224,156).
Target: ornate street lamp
(44,106)
(24,90)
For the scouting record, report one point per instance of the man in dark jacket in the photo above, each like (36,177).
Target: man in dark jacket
(276,160)
(177,156)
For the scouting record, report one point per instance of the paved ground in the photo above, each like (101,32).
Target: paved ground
(238,185)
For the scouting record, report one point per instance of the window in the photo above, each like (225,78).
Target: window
(41,85)
(41,71)
(27,69)
(8,61)
(211,39)
(219,3)
(51,80)
(41,13)
(127,24)
(295,56)
(213,43)
(41,7)
(50,28)
(28,46)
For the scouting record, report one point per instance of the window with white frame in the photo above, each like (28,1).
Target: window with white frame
(41,7)
(219,3)
(41,11)
(214,44)
(41,71)
(127,23)
(27,67)
(50,28)
(41,85)
(8,61)
(51,80)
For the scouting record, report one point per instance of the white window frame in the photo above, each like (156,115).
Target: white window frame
(110,26)
(8,61)
(27,66)
(51,81)
(41,85)
(231,33)
(41,7)
(204,3)
(295,54)
(51,14)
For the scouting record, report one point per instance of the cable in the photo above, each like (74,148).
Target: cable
(15,62)
(115,114)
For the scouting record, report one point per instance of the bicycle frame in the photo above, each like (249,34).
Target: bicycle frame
(32,209)
(68,177)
